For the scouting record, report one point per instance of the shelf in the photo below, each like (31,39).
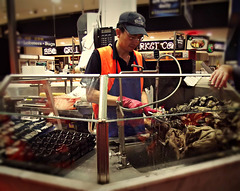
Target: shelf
(170,59)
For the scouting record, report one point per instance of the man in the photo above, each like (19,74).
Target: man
(120,57)
(227,72)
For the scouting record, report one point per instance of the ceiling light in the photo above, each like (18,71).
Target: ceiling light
(152,37)
(62,42)
(56,1)
(76,5)
(209,34)
(31,12)
(45,10)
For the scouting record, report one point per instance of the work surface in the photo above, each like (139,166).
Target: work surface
(216,174)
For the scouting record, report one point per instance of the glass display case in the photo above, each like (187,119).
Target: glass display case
(50,136)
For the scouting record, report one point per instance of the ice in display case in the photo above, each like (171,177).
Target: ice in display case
(38,135)
(194,135)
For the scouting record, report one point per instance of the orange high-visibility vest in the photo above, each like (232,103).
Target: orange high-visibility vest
(108,66)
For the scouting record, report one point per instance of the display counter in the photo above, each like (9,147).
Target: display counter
(220,174)
(184,148)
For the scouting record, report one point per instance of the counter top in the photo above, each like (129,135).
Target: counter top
(218,174)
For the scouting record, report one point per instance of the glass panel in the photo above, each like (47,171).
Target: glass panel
(46,122)
(194,124)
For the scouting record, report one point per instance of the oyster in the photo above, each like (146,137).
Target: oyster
(209,125)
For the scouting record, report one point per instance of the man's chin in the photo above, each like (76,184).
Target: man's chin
(131,49)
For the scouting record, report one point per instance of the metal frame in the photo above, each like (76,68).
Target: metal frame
(102,126)
(102,121)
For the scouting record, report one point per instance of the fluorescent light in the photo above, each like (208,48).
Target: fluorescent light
(56,1)
(209,34)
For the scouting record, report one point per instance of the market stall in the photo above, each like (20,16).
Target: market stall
(190,146)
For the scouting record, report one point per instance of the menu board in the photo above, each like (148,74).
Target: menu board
(197,42)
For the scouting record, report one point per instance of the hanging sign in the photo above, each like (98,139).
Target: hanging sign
(164,8)
(36,40)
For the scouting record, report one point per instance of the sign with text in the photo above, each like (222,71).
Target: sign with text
(180,41)
(61,50)
(36,40)
(162,45)
(164,8)
(216,46)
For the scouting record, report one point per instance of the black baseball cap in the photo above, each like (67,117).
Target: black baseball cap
(133,22)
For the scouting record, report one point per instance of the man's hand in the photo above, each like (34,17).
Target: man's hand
(221,75)
(148,109)
(131,103)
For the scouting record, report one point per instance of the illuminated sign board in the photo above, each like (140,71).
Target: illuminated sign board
(61,50)
(215,46)
(162,45)
(35,40)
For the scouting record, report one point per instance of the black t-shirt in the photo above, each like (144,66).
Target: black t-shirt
(94,64)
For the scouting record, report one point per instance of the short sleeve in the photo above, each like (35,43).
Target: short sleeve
(93,67)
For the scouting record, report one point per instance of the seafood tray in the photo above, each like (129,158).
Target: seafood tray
(61,148)
(16,133)
(36,146)
(15,130)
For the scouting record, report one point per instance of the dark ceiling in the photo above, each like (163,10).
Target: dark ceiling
(208,15)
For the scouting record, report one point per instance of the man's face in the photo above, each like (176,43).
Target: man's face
(127,41)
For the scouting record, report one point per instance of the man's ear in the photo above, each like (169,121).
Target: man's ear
(118,32)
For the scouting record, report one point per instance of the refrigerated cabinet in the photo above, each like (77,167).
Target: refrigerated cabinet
(193,145)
